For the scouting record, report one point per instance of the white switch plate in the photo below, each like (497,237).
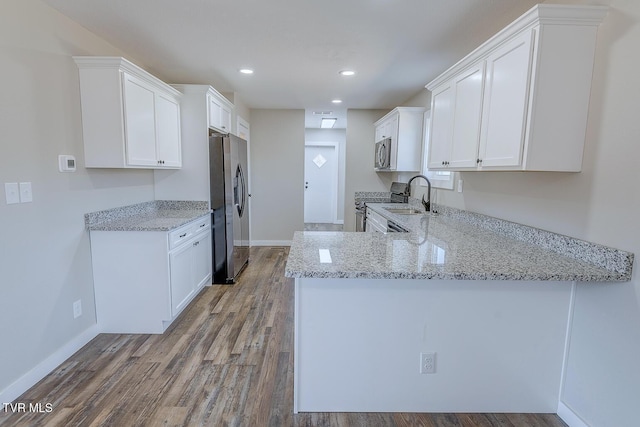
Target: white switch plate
(26,195)
(460,186)
(11,192)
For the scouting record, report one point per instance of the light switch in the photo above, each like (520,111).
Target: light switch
(11,192)
(26,195)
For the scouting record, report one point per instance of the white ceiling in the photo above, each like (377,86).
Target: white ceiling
(297,47)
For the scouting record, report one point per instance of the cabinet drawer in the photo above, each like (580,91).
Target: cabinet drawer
(186,232)
(201,225)
(182,234)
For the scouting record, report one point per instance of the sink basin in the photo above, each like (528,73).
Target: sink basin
(405,211)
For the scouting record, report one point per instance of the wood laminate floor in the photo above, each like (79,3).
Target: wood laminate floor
(227,361)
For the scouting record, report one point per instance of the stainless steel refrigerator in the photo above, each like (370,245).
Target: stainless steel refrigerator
(229,202)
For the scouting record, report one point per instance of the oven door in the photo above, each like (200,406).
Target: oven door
(383,154)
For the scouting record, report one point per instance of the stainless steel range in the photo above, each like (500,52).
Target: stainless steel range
(398,195)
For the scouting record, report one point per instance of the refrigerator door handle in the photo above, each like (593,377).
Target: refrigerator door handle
(241,201)
(244,191)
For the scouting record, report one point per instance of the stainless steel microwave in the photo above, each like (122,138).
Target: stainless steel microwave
(383,154)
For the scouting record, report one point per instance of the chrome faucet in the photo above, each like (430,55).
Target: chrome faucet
(427,203)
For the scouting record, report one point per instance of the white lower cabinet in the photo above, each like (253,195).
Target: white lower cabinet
(190,267)
(144,279)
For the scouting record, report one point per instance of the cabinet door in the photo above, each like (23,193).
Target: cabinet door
(379,132)
(140,127)
(385,129)
(392,130)
(215,113)
(467,113)
(168,131)
(202,261)
(441,126)
(225,118)
(180,261)
(505,103)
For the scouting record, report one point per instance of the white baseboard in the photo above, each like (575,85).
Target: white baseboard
(568,416)
(45,367)
(271,243)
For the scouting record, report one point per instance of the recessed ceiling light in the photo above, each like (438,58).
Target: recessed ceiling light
(347,73)
(337,101)
(328,123)
(246,70)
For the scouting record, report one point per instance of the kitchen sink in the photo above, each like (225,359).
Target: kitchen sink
(405,211)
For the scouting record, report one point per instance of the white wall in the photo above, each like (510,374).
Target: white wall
(360,175)
(45,260)
(600,204)
(338,136)
(277,175)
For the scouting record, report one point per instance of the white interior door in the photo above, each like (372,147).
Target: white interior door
(320,183)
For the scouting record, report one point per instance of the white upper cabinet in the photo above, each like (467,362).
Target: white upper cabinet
(168,127)
(130,119)
(220,112)
(455,126)
(404,126)
(520,101)
(505,104)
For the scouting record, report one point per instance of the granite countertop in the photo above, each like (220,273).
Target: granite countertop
(454,244)
(157,215)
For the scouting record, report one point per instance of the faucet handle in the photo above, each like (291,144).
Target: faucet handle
(427,205)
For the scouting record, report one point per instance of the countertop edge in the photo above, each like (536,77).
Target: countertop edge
(157,215)
(619,262)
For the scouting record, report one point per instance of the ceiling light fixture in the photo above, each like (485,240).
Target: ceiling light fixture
(328,123)
(347,73)
(246,70)
(337,101)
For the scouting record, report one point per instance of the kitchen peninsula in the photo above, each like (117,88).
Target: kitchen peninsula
(488,302)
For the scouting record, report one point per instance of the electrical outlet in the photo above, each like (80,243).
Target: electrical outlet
(427,363)
(77,309)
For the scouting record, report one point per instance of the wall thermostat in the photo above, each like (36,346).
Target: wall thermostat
(66,163)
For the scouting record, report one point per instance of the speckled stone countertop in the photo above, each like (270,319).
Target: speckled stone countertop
(157,215)
(372,196)
(458,245)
